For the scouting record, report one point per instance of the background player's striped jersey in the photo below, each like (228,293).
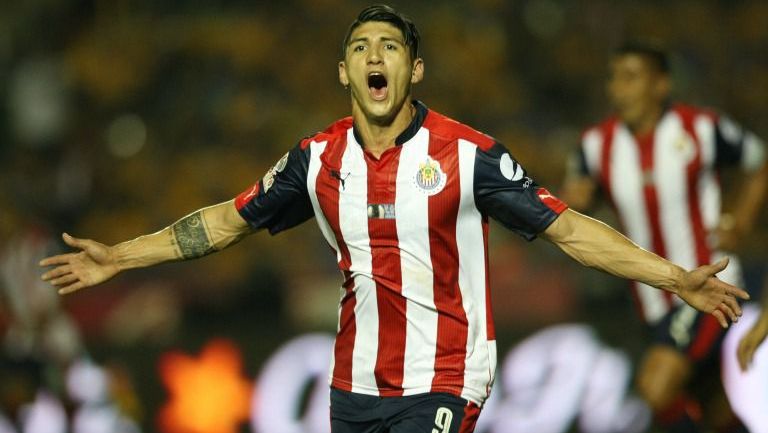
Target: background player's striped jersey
(410,233)
(665,186)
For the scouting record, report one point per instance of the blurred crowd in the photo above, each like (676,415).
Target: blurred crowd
(119,117)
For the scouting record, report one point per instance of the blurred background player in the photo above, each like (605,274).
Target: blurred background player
(402,195)
(658,164)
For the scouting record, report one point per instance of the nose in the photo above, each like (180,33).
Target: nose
(374,56)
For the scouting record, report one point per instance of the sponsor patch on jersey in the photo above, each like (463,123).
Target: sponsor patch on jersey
(430,178)
(269,177)
(510,169)
(382,211)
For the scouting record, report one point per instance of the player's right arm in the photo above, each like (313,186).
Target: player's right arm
(198,234)
(277,202)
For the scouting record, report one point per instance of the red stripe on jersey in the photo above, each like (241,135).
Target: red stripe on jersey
(452,324)
(443,127)
(246,196)
(551,201)
(327,190)
(468,422)
(703,254)
(706,336)
(345,339)
(606,153)
(385,261)
(646,146)
(491,327)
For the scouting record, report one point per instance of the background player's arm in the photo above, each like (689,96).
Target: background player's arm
(198,234)
(579,188)
(595,244)
(740,222)
(754,337)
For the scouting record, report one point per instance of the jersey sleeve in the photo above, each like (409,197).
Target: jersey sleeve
(505,192)
(736,146)
(279,200)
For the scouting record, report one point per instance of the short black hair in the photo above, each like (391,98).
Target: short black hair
(653,52)
(387,14)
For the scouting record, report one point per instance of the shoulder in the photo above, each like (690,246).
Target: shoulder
(600,130)
(451,130)
(333,132)
(689,112)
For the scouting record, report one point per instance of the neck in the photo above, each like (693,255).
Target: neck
(647,123)
(378,135)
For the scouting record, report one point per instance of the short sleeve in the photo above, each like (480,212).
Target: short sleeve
(505,192)
(279,200)
(737,146)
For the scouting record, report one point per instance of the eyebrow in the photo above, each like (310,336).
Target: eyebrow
(383,38)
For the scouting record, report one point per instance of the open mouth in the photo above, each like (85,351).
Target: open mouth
(377,85)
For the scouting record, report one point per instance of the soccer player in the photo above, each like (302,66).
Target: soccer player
(657,163)
(402,194)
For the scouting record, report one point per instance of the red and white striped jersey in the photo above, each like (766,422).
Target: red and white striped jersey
(410,233)
(665,186)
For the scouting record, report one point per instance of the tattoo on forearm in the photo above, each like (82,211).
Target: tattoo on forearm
(191,237)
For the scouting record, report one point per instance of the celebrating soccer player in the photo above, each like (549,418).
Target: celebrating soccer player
(402,195)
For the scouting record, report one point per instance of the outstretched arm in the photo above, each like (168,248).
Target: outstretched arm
(595,244)
(198,234)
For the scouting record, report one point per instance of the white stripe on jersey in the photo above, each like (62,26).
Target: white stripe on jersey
(412,209)
(673,151)
(627,187)
(353,221)
(480,361)
(315,150)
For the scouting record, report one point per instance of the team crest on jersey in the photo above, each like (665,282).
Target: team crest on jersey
(269,178)
(430,178)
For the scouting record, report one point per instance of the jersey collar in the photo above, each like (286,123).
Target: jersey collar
(410,131)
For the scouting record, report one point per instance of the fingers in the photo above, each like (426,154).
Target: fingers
(729,310)
(64,280)
(720,318)
(71,288)
(71,241)
(60,259)
(737,292)
(733,304)
(57,272)
(717,267)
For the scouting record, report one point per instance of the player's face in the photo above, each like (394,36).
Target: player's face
(379,71)
(636,89)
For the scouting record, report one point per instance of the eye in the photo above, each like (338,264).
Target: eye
(390,46)
(358,48)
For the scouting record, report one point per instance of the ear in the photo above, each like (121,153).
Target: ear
(417,74)
(343,79)
(663,87)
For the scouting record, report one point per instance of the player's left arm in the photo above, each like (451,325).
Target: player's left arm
(595,244)
(738,147)
(754,337)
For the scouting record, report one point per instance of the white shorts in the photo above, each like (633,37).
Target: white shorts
(747,391)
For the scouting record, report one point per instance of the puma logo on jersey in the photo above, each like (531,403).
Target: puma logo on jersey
(342,177)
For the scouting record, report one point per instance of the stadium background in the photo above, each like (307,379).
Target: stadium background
(118,117)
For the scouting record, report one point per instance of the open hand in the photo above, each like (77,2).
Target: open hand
(93,264)
(702,290)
